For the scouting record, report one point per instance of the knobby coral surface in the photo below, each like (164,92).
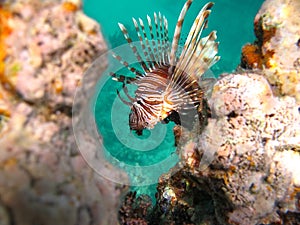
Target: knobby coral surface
(255,136)
(277,48)
(43,179)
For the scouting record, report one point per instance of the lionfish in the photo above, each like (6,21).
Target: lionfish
(169,78)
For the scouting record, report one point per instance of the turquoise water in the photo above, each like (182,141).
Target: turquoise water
(233,20)
(234,24)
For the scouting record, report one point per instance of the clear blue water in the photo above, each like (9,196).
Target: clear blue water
(233,20)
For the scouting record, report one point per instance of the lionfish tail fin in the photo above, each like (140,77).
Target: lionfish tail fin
(198,53)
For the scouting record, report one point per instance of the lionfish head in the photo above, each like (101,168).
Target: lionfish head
(136,121)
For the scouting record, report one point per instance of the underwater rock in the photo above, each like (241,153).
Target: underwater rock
(134,210)
(51,48)
(255,164)
(43,179)
(244,167)
(277,32)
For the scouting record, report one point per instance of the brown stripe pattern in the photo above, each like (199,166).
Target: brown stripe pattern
(170,77)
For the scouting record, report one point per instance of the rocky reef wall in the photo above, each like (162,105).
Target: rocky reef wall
(45,48)
(242,169)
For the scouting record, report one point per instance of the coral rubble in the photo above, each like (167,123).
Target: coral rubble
(43,179)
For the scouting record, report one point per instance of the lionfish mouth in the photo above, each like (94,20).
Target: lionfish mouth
(139,132)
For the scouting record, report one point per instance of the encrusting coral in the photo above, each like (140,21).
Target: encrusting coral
(277,31)
(244,166)
(255,136)
(58,44)
(43,179)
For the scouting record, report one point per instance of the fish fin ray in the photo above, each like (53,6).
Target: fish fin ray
(133,48)
(198,53)
(177,33)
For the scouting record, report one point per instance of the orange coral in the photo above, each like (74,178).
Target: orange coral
(11,162)
(4,110)
(5,30)
(69,7)
(251,56)
(267,58)
(268,34)
(264,34)
(295,193)
(58,86)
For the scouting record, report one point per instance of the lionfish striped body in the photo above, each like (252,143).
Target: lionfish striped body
(170,78)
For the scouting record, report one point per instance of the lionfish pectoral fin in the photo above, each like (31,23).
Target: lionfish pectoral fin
(135,52)
(121,78)
(127,93)
(134,70)
(206,84)
(154,44)
(124,101)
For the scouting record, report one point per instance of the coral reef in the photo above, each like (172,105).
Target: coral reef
(243,168)
(134,210)
(43,179)
(254,172)
(58,44)
(276,27)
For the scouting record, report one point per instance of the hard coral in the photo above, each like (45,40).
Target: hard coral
(251,164)
(243,168)
(53,52)
(277,32)
(264,31)
(251,57)
(5,31)
(43,179)
(135,210)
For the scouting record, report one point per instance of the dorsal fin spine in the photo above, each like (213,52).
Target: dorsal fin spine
(177,32)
